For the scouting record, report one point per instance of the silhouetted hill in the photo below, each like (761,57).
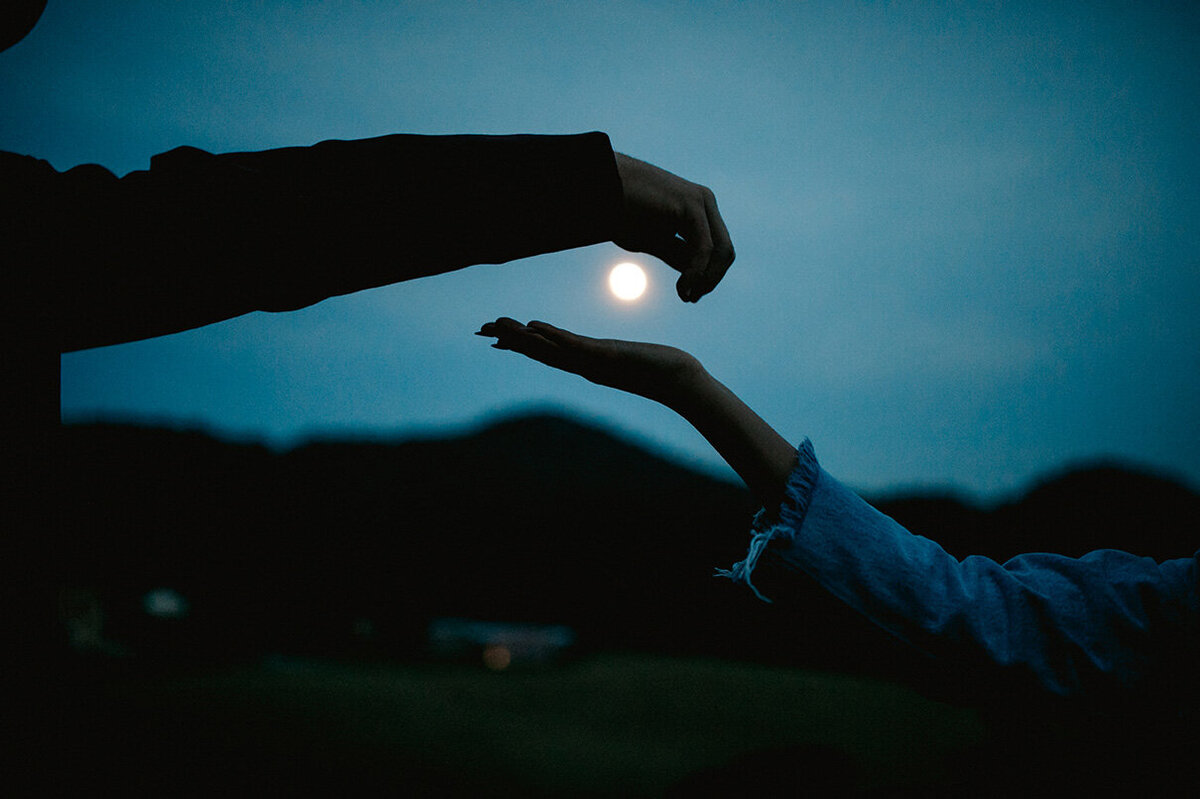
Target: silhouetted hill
(1102,506)
(1107,506)
(536,518)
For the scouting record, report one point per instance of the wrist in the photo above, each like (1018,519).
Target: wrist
(683,383)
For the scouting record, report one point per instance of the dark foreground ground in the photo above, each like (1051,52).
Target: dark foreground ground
(612,725)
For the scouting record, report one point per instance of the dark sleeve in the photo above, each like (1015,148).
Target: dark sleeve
(199,237)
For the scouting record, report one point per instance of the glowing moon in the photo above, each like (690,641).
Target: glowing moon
(627,281)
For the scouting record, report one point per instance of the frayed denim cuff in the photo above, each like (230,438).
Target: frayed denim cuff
(782,523)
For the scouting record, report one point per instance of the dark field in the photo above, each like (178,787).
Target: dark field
(110,699)
(628,725)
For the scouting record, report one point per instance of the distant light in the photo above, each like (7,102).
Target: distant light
(364,629)
(627,281)
(496,657)
(165,603)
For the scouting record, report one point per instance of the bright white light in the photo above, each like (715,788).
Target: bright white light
(627,281)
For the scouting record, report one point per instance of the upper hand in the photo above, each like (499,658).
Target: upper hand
(677,221)
(649,370)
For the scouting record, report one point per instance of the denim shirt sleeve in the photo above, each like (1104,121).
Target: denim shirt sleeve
(1074,625)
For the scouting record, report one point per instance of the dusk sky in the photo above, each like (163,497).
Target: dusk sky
(967,238)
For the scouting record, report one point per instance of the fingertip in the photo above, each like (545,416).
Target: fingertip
(683,288)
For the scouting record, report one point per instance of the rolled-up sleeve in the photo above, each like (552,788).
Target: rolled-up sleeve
(1073,625)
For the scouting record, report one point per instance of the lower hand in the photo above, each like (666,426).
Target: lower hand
(654,371)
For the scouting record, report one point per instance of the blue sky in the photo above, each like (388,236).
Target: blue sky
(966,234)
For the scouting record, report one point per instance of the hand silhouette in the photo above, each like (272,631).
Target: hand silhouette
(653,371)
(677,221)
(761,456)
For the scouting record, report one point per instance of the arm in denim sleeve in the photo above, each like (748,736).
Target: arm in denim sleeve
(1073,625)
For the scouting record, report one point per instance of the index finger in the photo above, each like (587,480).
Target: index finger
(721,256)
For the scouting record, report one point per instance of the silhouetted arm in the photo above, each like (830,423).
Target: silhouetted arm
(760,456)
(1107,621)
(199,237)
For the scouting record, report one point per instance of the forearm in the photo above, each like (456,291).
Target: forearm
(201,237)
(760,455)
(421,205)
(1069,625)
(672,377)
